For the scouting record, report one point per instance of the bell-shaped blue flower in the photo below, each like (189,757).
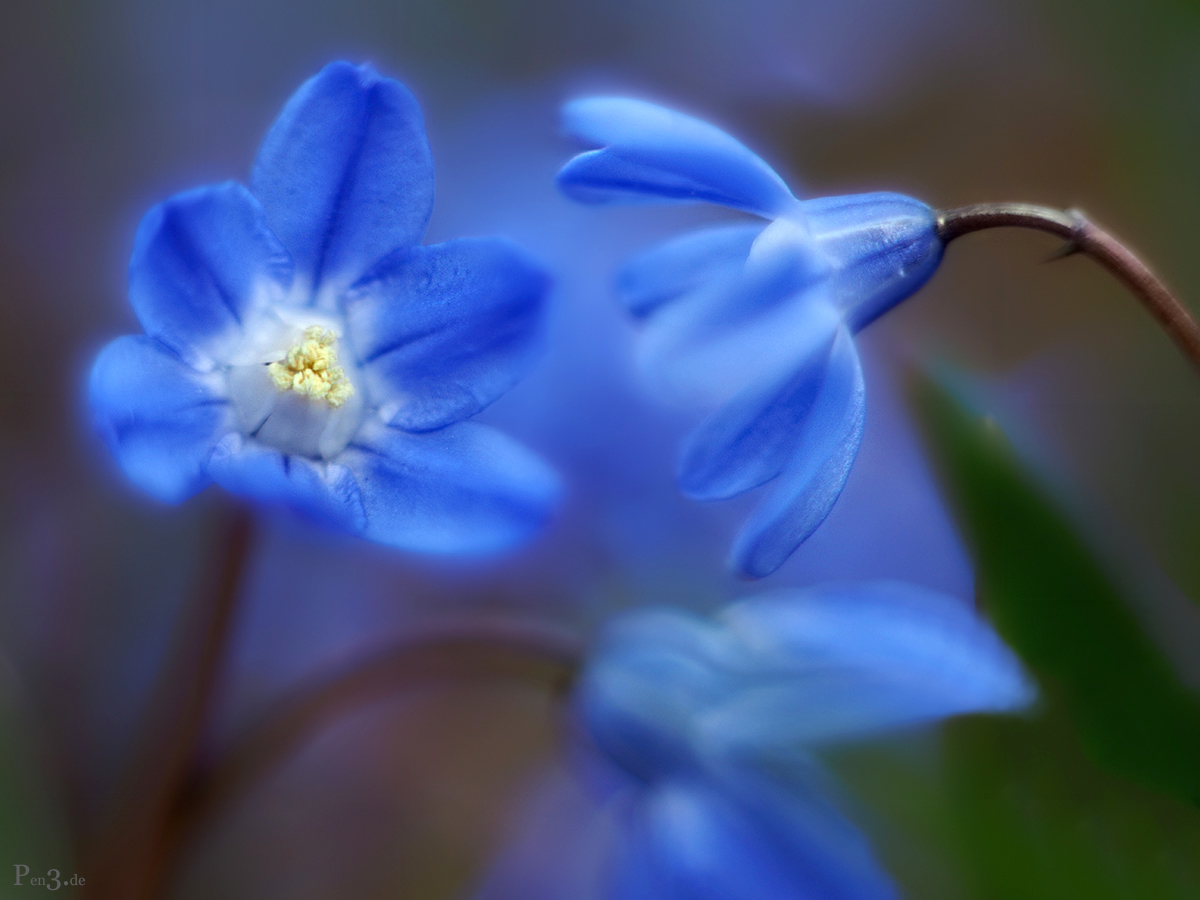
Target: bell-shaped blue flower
(755,320)
(714,721)
(301,347)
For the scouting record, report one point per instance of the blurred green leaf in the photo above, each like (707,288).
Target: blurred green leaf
(1054,602)
(1014,809)
(1036,820)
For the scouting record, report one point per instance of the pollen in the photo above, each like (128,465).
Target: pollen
(311,369)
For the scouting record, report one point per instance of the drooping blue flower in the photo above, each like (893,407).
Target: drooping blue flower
(301,347)
(754,320)
(714,723)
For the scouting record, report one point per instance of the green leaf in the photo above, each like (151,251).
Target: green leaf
(1014,809)
(1035,820)
(1055,603)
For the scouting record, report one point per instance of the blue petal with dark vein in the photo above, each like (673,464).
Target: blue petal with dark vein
(324,492)
(653,153)
(465,489)
(682,265)
(442,331)
(813,480)
(160,417)
(345,175)
(749,440)
(202,262)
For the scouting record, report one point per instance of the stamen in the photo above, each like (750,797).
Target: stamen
(311,369)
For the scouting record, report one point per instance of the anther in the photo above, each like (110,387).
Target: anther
(310,368)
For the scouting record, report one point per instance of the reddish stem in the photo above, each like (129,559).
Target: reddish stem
(131,854)
(1084,237)
(525,652)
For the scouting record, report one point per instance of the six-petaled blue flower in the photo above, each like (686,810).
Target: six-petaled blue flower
(754,320)
(301,347)
(714,724)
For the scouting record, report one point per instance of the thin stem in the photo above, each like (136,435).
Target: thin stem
(510,650)
(133,851)
(1084,237)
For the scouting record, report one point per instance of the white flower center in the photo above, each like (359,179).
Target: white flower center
(310,368)
(288,385)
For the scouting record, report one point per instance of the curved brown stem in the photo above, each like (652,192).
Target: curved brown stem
(471,650)
(1084,237)
(128,858)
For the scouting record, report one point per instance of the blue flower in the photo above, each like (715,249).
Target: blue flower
(755,320)
(303,348)
(714,723)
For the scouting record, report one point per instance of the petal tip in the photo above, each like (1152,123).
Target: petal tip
(650,153)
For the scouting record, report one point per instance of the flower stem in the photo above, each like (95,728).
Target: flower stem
(471,650)
(133,852)
(1084,237)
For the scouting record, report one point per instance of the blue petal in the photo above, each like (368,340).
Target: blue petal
(847,661)
(734,333)
(160,417)
(653,152)
(345,175)
(443,331)
(691,841)
(322,491)
(684,264)
(465,489)
(749,440)
(649,675)
(666,629)
(884,247)
(202,262)
(816,474)
(830,856)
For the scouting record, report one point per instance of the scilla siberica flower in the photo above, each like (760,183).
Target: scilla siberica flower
(714,723)
(755,320)
(301,347)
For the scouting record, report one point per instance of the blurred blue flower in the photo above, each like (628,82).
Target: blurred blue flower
(755,320)
(714,724)
(301,347)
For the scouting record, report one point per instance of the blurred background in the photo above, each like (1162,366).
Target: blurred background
(105,108)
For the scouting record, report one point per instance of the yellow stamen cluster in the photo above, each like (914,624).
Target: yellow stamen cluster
(311,369)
